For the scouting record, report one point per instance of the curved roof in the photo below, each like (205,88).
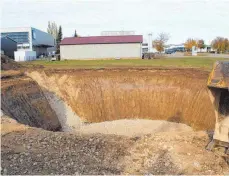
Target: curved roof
(102,40)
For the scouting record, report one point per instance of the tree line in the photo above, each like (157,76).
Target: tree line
(57,34)
(220,44)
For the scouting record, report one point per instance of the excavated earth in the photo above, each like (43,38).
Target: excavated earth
(178,95)
(107,121)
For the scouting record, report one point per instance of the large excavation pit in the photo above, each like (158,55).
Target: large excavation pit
(175,95)
(108,121)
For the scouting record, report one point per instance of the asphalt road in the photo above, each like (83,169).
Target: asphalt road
(209,55)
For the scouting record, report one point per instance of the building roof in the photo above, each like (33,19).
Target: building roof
(102,40)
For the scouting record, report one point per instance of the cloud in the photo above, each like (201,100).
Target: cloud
(181,18)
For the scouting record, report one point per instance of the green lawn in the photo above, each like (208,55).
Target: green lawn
(191,62)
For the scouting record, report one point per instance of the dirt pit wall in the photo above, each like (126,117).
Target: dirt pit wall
(23,100)
(178,95)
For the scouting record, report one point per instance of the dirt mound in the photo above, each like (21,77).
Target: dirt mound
(174,153)
(9,64)
(35,151)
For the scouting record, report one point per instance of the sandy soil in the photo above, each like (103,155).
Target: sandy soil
(133,128)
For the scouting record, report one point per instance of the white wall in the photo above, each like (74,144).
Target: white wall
(99,51)
(202,50)
(24,55)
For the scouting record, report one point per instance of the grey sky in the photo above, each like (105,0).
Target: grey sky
(180,18)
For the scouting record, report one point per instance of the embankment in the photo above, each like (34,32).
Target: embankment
(23,100)
(178,95)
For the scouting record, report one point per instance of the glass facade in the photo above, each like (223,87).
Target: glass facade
(19,37)
(22,47)
(33,35)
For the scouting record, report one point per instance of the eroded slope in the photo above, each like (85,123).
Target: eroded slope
(178,95)
(23,100)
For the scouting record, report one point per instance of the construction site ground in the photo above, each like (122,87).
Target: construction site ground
(27,150)
(97,139)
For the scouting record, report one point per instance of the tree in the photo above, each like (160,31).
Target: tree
(58,40)
(52,29)
(160,41)
(75,34)
(189,44)
(226,44)
(220,44)
(200,44)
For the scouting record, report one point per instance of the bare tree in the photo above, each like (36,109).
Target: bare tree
(160,41)
(201,44)
(52,29)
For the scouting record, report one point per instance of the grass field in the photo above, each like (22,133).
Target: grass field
(190,62)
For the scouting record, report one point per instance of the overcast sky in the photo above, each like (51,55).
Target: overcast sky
(180,18)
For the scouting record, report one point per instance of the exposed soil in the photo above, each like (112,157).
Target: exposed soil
(35,151)
(23,100)
(9,64)
(113,122)
(177,95)
(133,128)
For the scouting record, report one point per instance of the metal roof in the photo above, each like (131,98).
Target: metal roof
(102,40)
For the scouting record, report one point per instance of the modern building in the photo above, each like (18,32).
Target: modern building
(207,49)
(101,47)
(181,48)
(29,39)
(175,48)
(145,48)
(8,46)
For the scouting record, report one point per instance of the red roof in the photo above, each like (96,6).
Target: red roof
(102,40)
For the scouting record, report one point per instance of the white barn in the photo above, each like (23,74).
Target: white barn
(101,47)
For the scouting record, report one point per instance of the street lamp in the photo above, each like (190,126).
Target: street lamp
(150,42)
